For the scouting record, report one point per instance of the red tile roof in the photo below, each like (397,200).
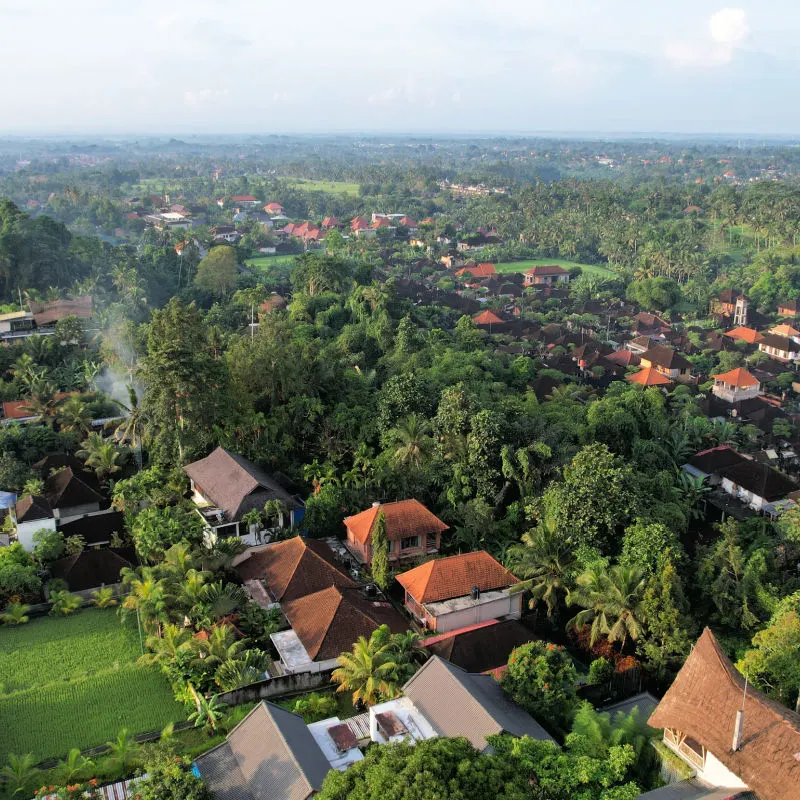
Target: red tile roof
(623,358)
(455,576)
(649,377)
(546,270)
(737,377)
(403,518)
(243,198)
(329,621)
(745,334)
(484,270)
(273,207)
(358,223)
(486,318)
(702,703)
(408,222)
(294,568)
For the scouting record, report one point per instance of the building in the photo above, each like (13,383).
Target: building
(270,754)
(290,569)
(546,276)
(445,594)
(225,233)
(730,734)
(742,334)
(31,514)
(326,623)
(787,308)
(780,348)
(479,648)
(649,376)
(487,318)
(274,209)
(47,314)
(667,362)
(16,325)
(225,486)
(93,568)
(736,385)
(740,311)
(479,271)
(755,484)
(709,464)
(411,529)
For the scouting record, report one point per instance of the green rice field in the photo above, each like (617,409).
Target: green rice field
(331,187)
(75,682)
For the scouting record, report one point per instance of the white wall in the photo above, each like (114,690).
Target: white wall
(753,500)
(25,531)
(480,612)
(715,773)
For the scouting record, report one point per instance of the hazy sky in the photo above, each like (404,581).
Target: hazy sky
(412,65)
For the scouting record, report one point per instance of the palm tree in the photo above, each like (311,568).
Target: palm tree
(217,647)
(74,767)
(146,596)
(208,712)
(692,489)
(611,601)
(100,454)
(104,597)
(368,671)
(15,614)
(545,560)
(122,751)
(413,444)
(131,430)
(74,416)
(44,403)
(237,672)
(217,600)
(168,648)
(18,774)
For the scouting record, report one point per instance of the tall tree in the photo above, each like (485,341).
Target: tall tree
(380,552)
(216,273)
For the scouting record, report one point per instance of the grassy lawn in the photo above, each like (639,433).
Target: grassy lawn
(74,682)
(332,187)
(521,266)
(265,262)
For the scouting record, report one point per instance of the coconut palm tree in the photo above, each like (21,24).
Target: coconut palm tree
(612,603)
(369,670)
(413,444)
(101,454)
(73,767)
(216,647)
(122,751)
(217,600)
(545,560)
(18,774)
(242,671)
(170,647)
(146,596)
(131,430)
(44,402)
(73,415)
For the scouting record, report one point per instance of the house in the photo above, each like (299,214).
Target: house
(411,529)
(326,623)
(358,224)
(93,568)
(736,385)
(459,703)
(96,528)
(623,358)
(546,276)
(780,348)
(667,362)
(269,755)
(273,209)
(31,514)
(225,486)
(70,494)
(225,233)
(649,376)
(48,313)
(449,593)
(646,323)
(729,733)
(410,224)
(238,199)
(742,334)
(709,464)
(290,569)
(787,308)
(487,318)
(786,330)
(479,271)
(725,303)
(483,647)
(640,344)
(16,325)
(756,485)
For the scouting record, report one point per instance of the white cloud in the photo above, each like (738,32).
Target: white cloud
(727,31)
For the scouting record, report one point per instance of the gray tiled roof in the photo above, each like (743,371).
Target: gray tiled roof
(694,790)
(459,703)
(269,755)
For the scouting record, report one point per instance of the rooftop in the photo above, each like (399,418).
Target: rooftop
(403,518)
(738,377)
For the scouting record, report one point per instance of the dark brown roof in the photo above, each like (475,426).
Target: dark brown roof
(55,310)
(294,568)
(95,528)
(715,459)
(94,567)
(778,342)
(234,484)
(702,703)
(328,622)
(57,461)
(481,647)
(759,479)
(65,489)
(665,357)
(31,508)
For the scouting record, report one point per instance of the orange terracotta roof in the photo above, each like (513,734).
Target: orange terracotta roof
(446,578)
(486,318)
(484,270)
(403,518)
(737,377)
(649,377)
(745,335)
(785,330)
(702,703)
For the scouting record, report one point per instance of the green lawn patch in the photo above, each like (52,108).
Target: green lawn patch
(331,187)
(75,682)
(521,266)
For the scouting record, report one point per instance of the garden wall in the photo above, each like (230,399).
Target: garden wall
(282,686)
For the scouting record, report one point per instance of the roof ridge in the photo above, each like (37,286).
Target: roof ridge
(289,748)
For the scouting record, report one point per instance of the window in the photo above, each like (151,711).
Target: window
(430,541)
(409,542)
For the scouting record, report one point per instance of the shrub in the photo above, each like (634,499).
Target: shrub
(104,597)
(64,603)
(15,614)
(48,545)
(315,707)
(601,671)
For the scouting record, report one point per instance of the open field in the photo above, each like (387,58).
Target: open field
(332,187)
(74,682)
(276,269)
(521,266)
(265,262)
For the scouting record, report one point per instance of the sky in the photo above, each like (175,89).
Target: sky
(416,66)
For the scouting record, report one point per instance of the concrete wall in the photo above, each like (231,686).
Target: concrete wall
(715,773)
(502,607)
(753,500)
(25,531)
(282,686)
